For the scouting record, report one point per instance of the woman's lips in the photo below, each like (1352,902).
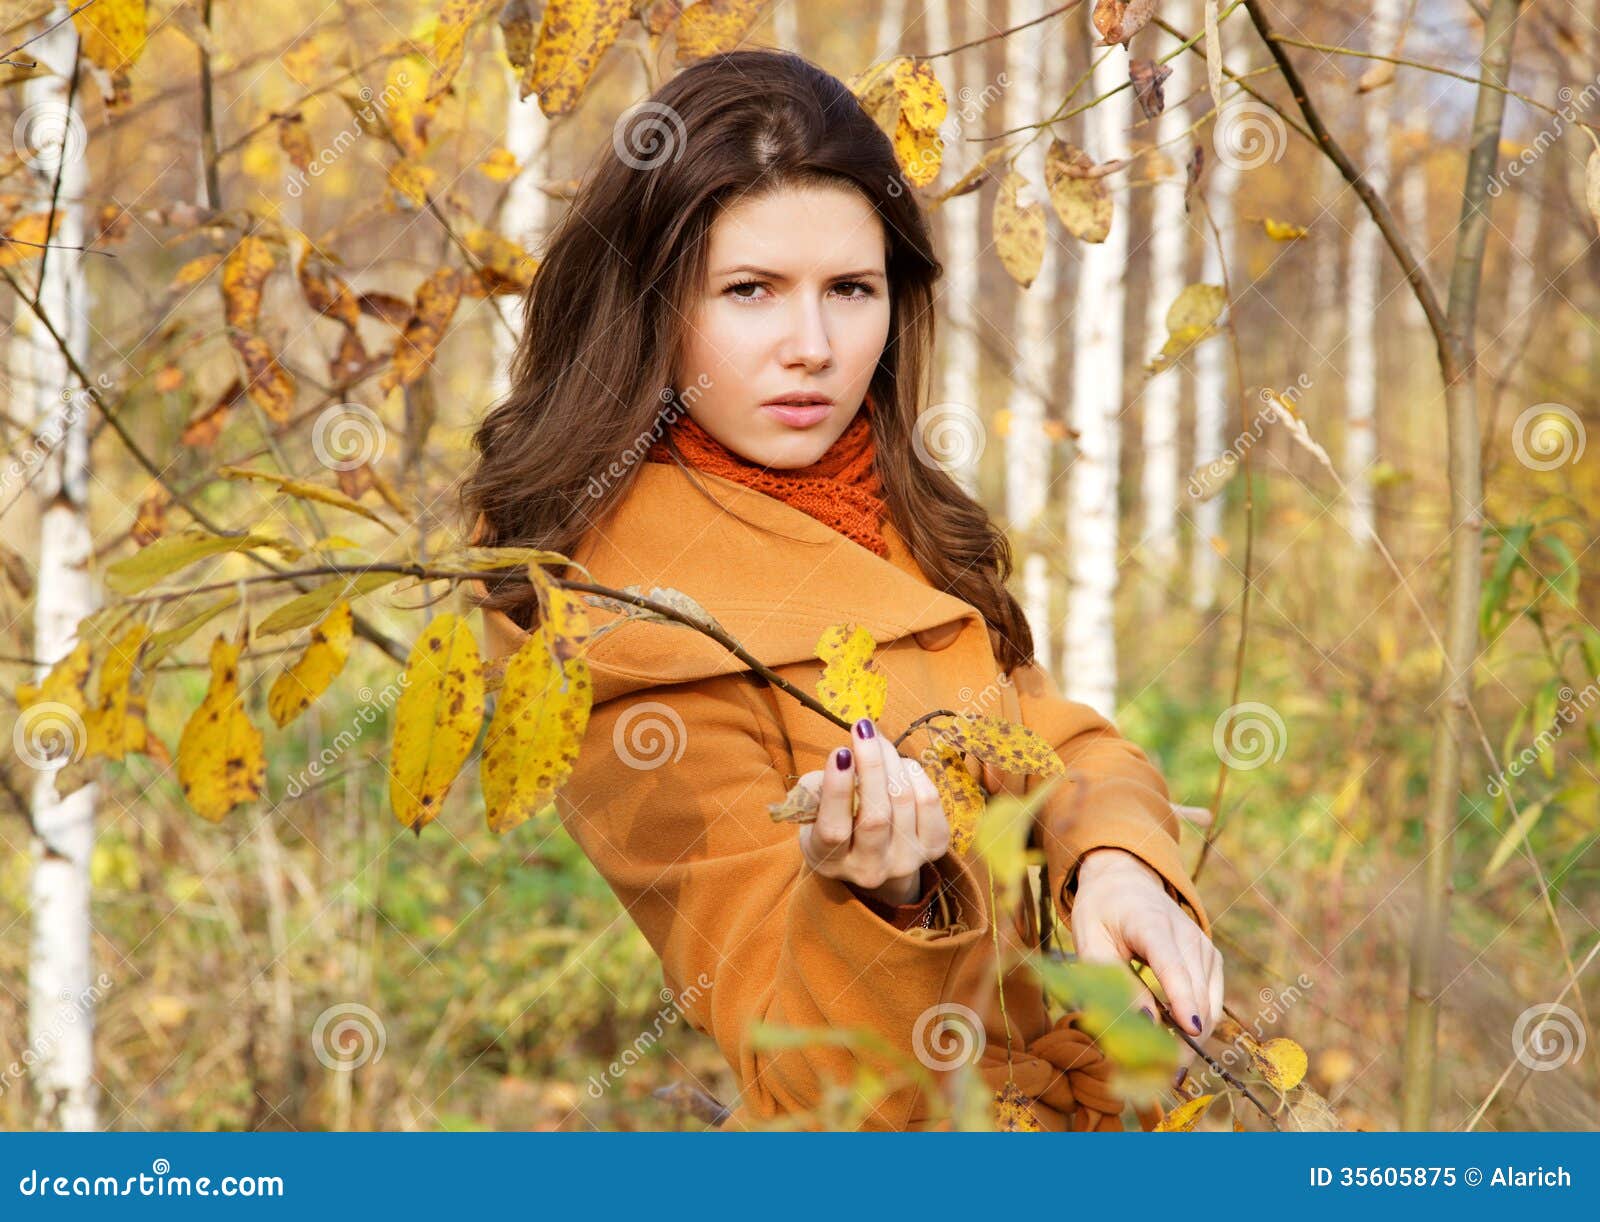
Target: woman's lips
(798,416)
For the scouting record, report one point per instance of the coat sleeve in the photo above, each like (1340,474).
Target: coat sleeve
(1112,797)
(669,800)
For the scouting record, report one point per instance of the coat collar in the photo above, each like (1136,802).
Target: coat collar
(769,573)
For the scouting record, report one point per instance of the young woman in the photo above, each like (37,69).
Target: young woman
(724,354)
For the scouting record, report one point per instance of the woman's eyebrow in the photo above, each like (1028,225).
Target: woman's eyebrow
(862,274)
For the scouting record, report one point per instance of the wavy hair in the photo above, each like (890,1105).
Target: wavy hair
(605,314)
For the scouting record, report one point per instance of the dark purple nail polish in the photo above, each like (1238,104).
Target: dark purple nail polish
(1147,1013)
(1177,1078)
(841,758)
(864,727)
(1195,1019)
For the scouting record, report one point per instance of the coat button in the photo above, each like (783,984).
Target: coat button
(939,637)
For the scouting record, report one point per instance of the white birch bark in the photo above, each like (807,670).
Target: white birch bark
(1027,452)
(786,24)
(1211,397)
(1168,245)
(891,27)
(1361,300)
(1090,664)
(526,215)
(62,988)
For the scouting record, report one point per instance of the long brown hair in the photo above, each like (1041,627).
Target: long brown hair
(606,311)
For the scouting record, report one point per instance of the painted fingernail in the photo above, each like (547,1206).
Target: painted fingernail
(864,727)
(1195,1019)
(1177,1078)
(841,758)
(1148,1013)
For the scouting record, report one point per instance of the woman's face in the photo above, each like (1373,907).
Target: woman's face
(796,302)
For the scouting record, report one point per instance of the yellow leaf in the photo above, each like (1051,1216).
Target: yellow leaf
(1182,1118)
(499,165)
(437,719)
(310,607)
(112,732)
(270,384)
(194,271)
(1283,231)
(450,41)
(714,26)
(1191,317)
(244,272)
(960,793)
(168,554)
(220,759)
(1010,746)
(1081,200)
(28,235)
(919,152)
(437,298)
(1011,1111)
(573,35)
(1281,1061)
(112,32)
(539,723)
(922,100)
(1018,230)
(303,490)
(324,657)
(851,685)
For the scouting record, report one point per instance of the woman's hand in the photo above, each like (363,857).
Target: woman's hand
(900,822)
(1122,911)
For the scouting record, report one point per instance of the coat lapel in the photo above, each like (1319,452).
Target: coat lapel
(773,576)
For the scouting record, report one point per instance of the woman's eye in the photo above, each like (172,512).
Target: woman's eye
(866,289)
(733,289)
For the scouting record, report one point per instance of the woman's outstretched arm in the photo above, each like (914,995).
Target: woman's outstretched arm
(669,800)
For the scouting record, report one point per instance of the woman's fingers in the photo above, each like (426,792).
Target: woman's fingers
(827,838)
(933,828)
(1189,1002)
(875,819)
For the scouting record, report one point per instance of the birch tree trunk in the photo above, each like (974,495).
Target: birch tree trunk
(1027,453)
(1168,245)
(1361,299)
(1090,665)
(1212,400)
(61,985)
(786,24)
(525,217)
(891,27)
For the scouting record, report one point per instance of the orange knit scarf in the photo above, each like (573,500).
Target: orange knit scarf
(841,489)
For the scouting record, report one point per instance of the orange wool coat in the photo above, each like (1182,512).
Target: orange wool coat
(686,747)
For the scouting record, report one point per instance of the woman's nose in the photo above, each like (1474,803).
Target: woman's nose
(807,338)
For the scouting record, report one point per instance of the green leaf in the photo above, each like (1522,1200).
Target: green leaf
(170,553)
